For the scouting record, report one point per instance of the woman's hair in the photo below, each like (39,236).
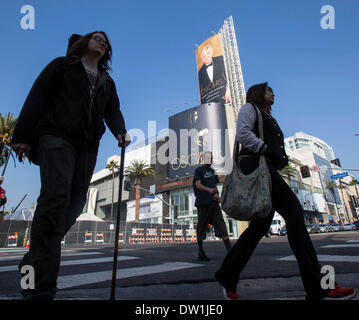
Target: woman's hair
(80,47)
(255,94)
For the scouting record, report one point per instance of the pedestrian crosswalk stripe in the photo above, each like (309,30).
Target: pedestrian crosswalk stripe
(76,262)
(332,258)
(341,246)
(12,250)
(96,260)
(63,255)
(95,277)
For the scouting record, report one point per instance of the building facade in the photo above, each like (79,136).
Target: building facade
(302,140)
(322,200)
(153,209)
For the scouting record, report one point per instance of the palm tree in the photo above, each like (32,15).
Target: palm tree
(7,126)
(137,170)
(287,172)
(112,165)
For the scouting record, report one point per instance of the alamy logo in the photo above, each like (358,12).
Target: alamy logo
(28,280)
(28,20)
(328,280)
(327,21)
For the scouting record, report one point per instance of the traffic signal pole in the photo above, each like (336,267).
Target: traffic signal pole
(173,207)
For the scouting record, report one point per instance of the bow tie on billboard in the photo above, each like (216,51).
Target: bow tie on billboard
(209,65)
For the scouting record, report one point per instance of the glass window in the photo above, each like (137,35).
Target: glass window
(180,198)
(145,208)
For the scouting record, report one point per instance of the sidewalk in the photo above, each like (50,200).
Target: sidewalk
(251,289)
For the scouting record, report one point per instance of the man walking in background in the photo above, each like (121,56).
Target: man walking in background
(207,203)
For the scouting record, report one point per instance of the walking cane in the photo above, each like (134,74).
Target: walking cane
(115,254)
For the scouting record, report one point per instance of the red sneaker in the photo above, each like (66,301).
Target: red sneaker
(340,293)
(230,295)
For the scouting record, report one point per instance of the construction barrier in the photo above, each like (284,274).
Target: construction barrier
(178,236)
(166,235)
(12,240)
(121,237)
(151,235)
(99,238)
(88,237)
(137,235)
(16,233)
(191,235)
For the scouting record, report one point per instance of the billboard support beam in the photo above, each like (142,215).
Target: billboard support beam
(232,65)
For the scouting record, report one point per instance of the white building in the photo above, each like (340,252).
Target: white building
(150,210)
(102,182)
(315,195)
(302,140)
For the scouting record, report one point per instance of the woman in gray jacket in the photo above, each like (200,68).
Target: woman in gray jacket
(284,201)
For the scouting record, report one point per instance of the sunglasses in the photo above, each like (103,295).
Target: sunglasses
(100,40)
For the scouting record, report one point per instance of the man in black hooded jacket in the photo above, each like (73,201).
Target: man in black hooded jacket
(59,128)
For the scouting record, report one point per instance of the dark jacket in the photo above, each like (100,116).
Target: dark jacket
(274,141)
(60,103)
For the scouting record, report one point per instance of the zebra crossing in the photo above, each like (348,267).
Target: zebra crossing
(333,257)
(65,282)
(88,277)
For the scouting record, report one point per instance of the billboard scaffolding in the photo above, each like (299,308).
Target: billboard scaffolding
(232,65)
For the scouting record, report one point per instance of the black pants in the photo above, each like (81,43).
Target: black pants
(65,177)
(287,205)
(211,214)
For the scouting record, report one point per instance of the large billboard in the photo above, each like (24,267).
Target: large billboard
(208,127)
(213,84)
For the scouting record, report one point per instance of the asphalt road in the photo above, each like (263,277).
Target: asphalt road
(172,271)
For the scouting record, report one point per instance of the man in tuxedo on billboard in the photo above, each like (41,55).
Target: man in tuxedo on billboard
(212,78)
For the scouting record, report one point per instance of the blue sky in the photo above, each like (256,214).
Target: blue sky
(313,71)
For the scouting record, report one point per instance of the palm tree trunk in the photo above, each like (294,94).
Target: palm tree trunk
(137,214)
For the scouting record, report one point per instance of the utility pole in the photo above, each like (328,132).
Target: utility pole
(345,207)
